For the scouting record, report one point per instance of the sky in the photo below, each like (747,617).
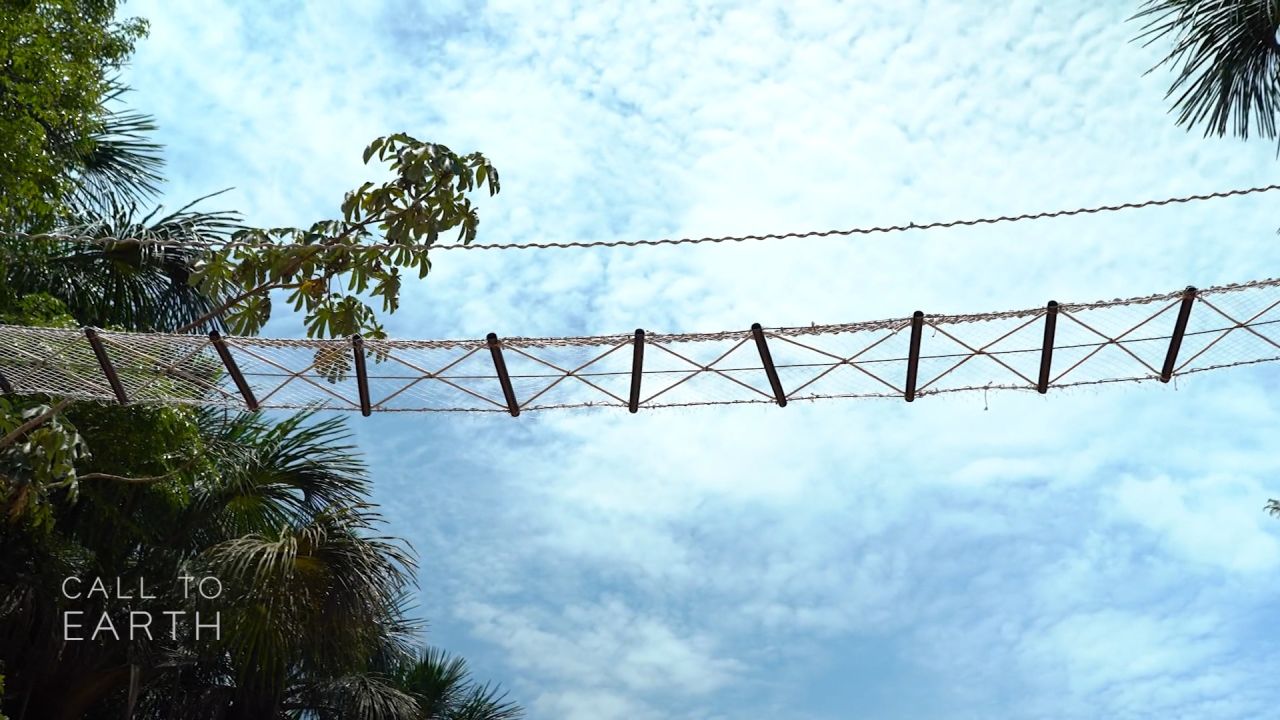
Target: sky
(1098,552)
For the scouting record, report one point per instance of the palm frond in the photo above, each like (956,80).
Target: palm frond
(186,684)
(358,696)
(486,702)
(445,690)
(121,163)
(325,591)
(276,474)
(402,631)
(129,284)
(438,680)
(1226,58)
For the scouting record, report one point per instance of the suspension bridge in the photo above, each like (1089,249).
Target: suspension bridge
(1052,346)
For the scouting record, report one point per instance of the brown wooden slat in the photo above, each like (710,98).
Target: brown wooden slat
(104,361)
(362,376)
(224,352)
(1179,329)
(913,355)
(500,365)
(1046,351)
(767,360)
(637,370)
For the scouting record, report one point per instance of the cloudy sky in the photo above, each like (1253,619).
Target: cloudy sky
(1092,553)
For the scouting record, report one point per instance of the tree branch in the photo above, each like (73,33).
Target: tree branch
(149,480)
(266,285)
(269,285)
(35,422)
(123,479)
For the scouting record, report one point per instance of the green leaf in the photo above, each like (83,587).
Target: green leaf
(374,147)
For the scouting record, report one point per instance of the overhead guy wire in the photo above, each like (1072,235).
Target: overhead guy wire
(213,244)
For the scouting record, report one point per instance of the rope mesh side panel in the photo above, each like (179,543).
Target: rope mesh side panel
(1100,342)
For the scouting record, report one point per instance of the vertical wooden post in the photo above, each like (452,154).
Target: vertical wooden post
(913,355)
(362,376)
(1179,329)
(5,386)
(100,351)
(500,365)
(767,360)
(1046,350)
(637,370)
(233,370)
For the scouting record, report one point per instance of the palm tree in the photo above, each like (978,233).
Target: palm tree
(1227,61)
(313,604)
(321,598)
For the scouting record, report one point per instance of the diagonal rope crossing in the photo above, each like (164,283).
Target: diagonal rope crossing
(1156,337)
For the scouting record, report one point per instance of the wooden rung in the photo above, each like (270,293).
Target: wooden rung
(233,370)
(1046,350)
(767,360)
(500,365)
(362,377)
(913,355)
(637,370)
(1179,329)
(105,362)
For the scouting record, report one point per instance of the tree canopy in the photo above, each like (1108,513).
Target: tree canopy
(56,67)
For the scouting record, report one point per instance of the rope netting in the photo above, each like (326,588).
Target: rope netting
(1112,341)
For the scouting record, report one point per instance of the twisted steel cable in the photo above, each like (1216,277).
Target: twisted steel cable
(849,232)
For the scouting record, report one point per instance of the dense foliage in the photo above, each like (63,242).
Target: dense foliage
(56,68)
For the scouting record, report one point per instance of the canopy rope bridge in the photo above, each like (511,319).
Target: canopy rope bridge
(1157,337)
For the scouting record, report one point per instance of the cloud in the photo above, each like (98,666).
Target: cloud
(1214,520)
(1100,551)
